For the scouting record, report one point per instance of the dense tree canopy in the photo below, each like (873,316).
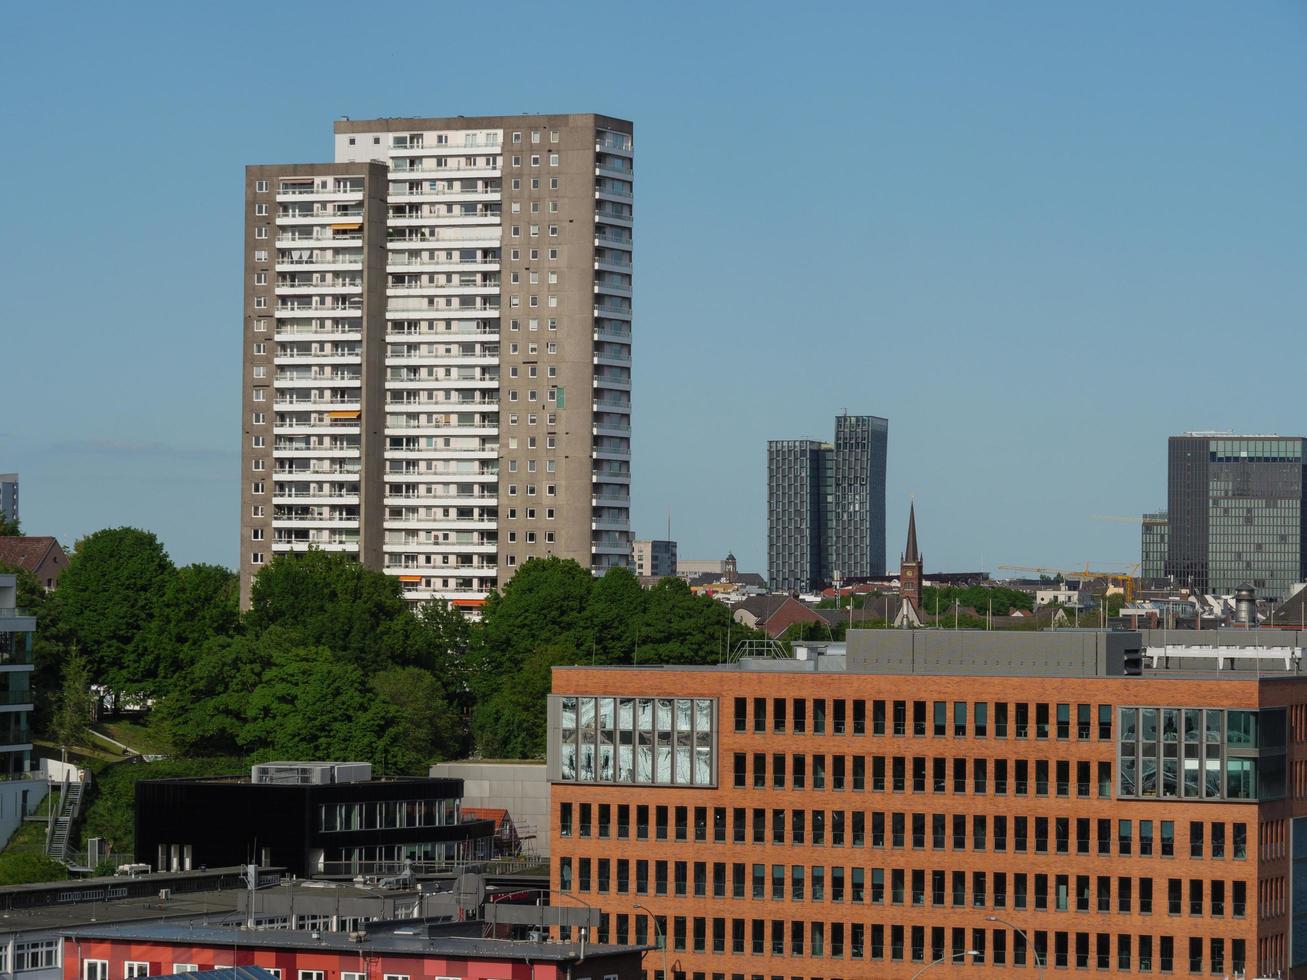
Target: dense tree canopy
(332,662)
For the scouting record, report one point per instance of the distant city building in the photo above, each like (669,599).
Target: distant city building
(1152,548)
(691,568)
(42,556)
(16,631)
(826,506)
(1235,508)
(654,558)
(9,496)
(307,817)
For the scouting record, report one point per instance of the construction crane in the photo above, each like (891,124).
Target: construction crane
(1147,519)
(1125,579)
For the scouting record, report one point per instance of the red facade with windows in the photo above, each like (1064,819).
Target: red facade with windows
(164,958)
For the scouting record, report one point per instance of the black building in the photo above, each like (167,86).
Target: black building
(318,818)
(826,506)
(1235,513)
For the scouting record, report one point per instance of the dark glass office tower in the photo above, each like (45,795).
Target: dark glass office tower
(1235,513)
(826,506)
(798,489)
(857,514)
(1152,547)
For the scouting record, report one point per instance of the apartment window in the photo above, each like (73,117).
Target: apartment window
(185,968)
(260,326)
(553,159)
(260,255)
(259,465)
(256,510)
(261,186)
(257,442)
(260,232)
(95,970)
(260,209)
(256,487)
(517,160)
(260,302)
(553,231)
(260,370)
(135,968)
(516,231)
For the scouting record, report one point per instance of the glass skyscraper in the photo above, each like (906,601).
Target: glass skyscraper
(1235,513)
(826,506)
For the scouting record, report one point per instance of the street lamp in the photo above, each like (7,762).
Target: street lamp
(658,932)
(945,959)
(1039,962)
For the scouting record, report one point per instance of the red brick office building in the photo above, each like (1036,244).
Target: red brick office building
(993,801)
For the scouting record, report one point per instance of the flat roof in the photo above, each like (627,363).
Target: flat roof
(400,942)
(189,905)
(1227,655)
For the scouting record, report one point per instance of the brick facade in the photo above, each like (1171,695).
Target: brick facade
(925,833)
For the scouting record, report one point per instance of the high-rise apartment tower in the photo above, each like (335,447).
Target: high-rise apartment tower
(437,361)
(1235,513)
(826,506)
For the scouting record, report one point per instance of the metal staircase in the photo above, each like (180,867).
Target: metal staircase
(70,806)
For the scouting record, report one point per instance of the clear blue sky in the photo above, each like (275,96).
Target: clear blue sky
(1037,237)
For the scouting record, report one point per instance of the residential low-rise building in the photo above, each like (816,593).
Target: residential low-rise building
(41,555)
(17,628)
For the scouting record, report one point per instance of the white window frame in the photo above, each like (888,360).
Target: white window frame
(185,968)
(135,968)
(95,970)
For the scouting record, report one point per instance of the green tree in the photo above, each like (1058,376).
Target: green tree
(76,703)
(428,728)
(198,603)
(677,626)
(612,613)
(106,599)
(9,528)
(511,723)
(311,705)
(330,600)
(204,711)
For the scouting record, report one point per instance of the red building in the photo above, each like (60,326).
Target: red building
(158,949)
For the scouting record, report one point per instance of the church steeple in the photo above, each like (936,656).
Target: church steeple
(910,554)
(910,577)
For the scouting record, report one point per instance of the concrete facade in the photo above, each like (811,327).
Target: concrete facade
(521,788)
(502,348)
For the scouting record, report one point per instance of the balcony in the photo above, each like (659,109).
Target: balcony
(618,143)
(612,312)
